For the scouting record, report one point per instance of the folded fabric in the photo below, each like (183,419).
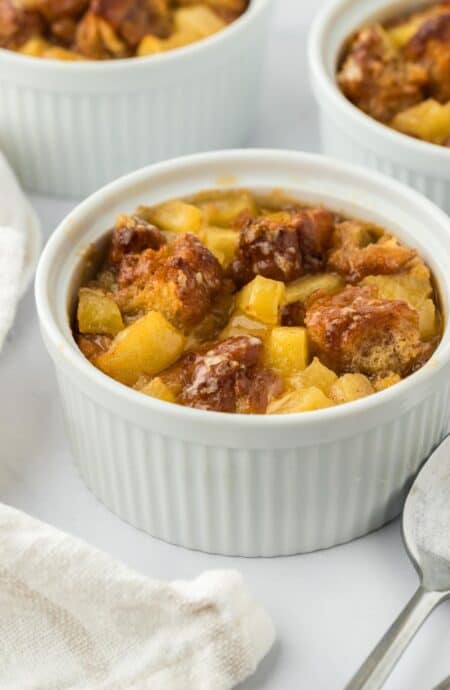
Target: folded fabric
(12,254)
(19,244)
(74,619)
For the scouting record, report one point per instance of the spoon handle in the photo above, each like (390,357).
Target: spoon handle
(377,667)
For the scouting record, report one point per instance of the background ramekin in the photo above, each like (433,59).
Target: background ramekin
(69,128)
(348,133)
(247,485)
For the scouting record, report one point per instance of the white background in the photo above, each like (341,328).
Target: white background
(329,608)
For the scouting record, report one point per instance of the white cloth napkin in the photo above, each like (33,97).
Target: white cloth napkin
(14,219)
(12,255)
(73,619)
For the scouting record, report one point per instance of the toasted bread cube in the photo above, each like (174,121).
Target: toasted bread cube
(386,382)
(98,314)
(177,216)
(287,350)
(427,320)
(222,243)
(429,120)
(147,347)
(227,209)
(414,289)
(315,375)
(354,258)
(351,387)
(156,388)
(355,330)
(262,299)
(306,400)
(241,324)
(181,280)
(282,246)
(299,290)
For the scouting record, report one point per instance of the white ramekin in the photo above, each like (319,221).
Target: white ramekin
(348,133)
(234,484)
(69,128)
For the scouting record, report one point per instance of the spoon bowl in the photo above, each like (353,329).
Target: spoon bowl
(426,521)
(426,533)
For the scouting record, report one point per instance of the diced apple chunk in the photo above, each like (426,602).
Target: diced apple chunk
(156,388)
(414,289)
(287,350)
(147,347)
(151,45)
(299,290)
(351,387)
(222,243)
(40,47)
(199,20)
(401,34)
(386,382)
(225,210)
(35,47)
(403,286)
(98,314)
(315,375)
(429,120)
(306,400)
(262,299)
(241,324)
(176,216)
(427,320)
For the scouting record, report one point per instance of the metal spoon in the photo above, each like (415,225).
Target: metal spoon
(426,532)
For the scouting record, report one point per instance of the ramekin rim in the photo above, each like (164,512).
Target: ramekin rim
(347,109)
(121,64)
(75,358)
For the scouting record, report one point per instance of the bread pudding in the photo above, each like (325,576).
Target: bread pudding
(110,29)
(255,303)
(399,73)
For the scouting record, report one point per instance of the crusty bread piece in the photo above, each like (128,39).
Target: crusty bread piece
(355,331)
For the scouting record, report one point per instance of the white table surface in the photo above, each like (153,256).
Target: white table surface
(329,608)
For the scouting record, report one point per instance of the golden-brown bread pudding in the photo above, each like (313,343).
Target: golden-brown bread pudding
(244,303)
(399,73)
(110,29)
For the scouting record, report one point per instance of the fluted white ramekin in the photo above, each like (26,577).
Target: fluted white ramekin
(70,127)
(234,484)
(348,133)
